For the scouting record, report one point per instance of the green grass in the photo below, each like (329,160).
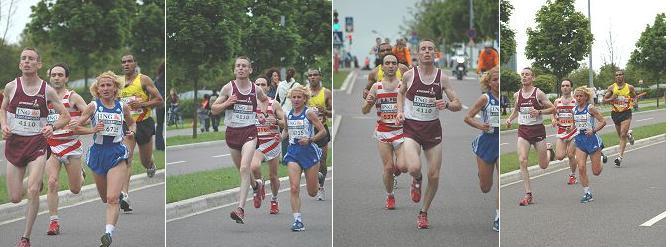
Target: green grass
(159,161)
(604,110)
(187,186)
(509,161)
(202,137)
(339,78)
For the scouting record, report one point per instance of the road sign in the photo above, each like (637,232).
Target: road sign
(337,38)
(349,24)
(471,33)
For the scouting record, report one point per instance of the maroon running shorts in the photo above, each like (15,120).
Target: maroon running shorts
(236,137)
(531,133)
(427,133)
(19,150)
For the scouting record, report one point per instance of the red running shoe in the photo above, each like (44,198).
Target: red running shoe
(571,179)
(238,215)
(391,202)
(259,194)
(24,242)
(526,200)
(416,190)
(274,208)
(54,228)
(422,220)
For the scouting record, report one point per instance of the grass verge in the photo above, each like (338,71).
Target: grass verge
(159,161)
(509,161)
(191,185)
(202,137)
(339,78)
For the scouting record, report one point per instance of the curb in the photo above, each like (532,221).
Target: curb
(194,205)
(549,125)
(10,211)
(535,170)
(347,81)
(336,124)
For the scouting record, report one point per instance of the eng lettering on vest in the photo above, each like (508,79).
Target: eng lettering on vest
(424,107)
(493,117)
(297,129)
(27,120)
(52,117)
(112,123)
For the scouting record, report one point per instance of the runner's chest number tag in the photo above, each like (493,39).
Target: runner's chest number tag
(127,100)
(621,102)
(525,116)
(424,108)
(388,112)
(112,123)
(297,129)
(581,122)
(52,117)
(27,120)
(494,116)
(244,114)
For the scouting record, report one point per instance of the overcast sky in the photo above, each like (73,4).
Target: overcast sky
(626,20)
(19,20)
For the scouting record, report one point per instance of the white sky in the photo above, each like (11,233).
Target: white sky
(626,20)
(19,20)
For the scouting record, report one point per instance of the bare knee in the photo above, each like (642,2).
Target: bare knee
(433,176)
(295,188)
(112,199)
(312,192)
(389,168)
(485,186)
(33,191)
(53,183)
(75,189)
(15,198)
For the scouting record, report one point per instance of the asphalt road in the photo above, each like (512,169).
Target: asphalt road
(215,228)
(200,158)
(624,199)
(460,215)
(509,138)
(83,224)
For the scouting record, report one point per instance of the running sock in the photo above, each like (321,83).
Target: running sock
(53,217)
(274,198)
(109,229)
(390,194)
(297,216)
(529,193)
(497,215)
(587,190)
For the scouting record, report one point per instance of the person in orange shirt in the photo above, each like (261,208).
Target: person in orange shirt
(401,52)
(488,59)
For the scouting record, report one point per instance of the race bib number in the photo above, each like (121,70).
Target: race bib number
(52,117)
(621,102)
(112,124)
(388,113)
(581,122)
(27,120)
(525,116)
(424,108)
(243,114)
(127,100)
(296,129)
(565,118)
(494,116)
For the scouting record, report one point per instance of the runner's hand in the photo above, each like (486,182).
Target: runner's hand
(72,124)
(509,122)
(589,132)
(370,99)
(6,132)
(134,104)
(441,104)
(534,112)
(485,127)
(261,118)
(400,118)
(304,141)
(99,127)
(231,100)
(554,122)
(365,93)
(454,106)
(47,131)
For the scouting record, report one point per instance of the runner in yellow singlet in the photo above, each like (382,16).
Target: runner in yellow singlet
(621,95)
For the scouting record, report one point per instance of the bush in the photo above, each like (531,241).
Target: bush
(546,83)
(510,81)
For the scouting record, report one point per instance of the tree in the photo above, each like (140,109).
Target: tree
(147,41)
(314,21)
(580,76)
(508,44)
(606,76)
(545,82)
(510,81)
(561,39)
(201,34)
(650,49)
(90,30)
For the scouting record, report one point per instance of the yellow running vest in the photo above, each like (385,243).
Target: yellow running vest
(623,100)
(380,73)
(134,91)
(319,100)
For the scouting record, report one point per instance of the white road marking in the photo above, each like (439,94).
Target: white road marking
(176,162)
(350,84)
(79,203)
(645,119)
(654,219)
(504,143)
(225,205)
(566,168)
(221,155)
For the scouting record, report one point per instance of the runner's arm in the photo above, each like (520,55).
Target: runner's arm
(601,121)
(470,115)
(129,120)
(63,114)
(516,110)
(279,114)
(80,104)
(555,118)
(454,104)
(369,102)
(321,131)
(262,98)
(371,80)
(222,101)
(87,112)
(400,97)
(608,97)
(328,112)
(155,98)
(548,107)
(7,93)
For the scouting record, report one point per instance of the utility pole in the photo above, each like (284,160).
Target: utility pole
(589,17)
(470,27)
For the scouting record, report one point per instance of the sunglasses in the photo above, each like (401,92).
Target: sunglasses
(313,74)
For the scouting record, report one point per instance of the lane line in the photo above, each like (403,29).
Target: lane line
(645,119)
(350,85)
(227,205)
(176,162)
(654,219)
(504,143)
(79,203)
(566,168)
(221,155)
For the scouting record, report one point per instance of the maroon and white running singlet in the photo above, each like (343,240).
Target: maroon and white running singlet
(240,119)
(64,143)
(387,130)
(421,114)
(269,134)
(530,128)
(26,116)
(565,119)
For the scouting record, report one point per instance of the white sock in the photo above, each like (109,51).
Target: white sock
(497,215)
(390,194)
(274,198)
(297,216)
(53,217)
(109,229)
(587,190)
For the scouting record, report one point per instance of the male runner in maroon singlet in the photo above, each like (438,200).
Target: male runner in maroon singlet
(23,116)
(419,99)
(238,98)
(531,104)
